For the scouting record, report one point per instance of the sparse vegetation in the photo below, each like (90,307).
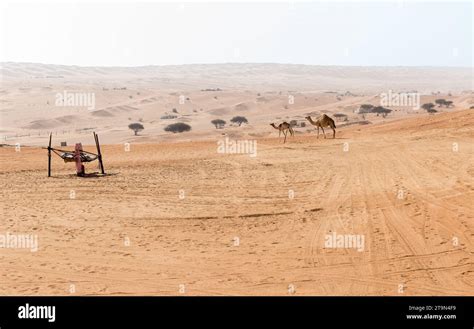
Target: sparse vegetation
(381,110)
(365,108)
(168,117)
(239,120)
(218,123)
(178,127)
(441,101)
(136,127)
(427,106)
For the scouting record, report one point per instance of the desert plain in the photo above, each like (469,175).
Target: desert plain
(173,216)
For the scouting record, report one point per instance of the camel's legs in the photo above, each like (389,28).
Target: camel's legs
(279,133)
(323,131)
(284,133)
(333,132)
(317,136)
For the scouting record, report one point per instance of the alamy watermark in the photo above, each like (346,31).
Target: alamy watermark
(37,312)
(19,241)
(67,98)
(405,99)
(349,241)
(244,146)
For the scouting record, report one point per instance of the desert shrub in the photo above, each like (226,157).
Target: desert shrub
(431,111)
(136,127)
(381,110)
(219,123)
(366,108)
(293,123)
(239,120)
(178,127)
(440,101)
(427,106)
(168,117)
(175,110)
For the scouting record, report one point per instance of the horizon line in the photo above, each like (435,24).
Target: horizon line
(243,63)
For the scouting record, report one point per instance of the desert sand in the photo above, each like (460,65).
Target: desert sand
(175,217)
(263,93)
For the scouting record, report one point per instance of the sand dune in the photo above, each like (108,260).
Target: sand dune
(102,113)
(242,76)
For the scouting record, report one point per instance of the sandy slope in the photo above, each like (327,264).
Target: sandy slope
(260,92)
(190,241)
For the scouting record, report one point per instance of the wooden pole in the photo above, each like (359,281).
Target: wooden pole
(99,154)
(77,158)
(49,155)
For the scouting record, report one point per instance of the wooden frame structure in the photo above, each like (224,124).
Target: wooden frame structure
(78,156)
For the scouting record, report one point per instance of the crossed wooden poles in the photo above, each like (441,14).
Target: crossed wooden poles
(78,156)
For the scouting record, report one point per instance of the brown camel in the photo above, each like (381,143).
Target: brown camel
(283,127)
(323,121)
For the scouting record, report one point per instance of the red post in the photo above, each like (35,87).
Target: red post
(77,157)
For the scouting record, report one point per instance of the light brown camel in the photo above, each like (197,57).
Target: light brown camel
(283,127)
(323,121)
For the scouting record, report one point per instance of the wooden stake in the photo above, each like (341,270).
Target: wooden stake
(49,155)
(99,154)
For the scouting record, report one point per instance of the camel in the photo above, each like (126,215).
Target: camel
(323,121)
(283,127)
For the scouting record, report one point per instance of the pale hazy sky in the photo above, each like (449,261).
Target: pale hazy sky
(323,33)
